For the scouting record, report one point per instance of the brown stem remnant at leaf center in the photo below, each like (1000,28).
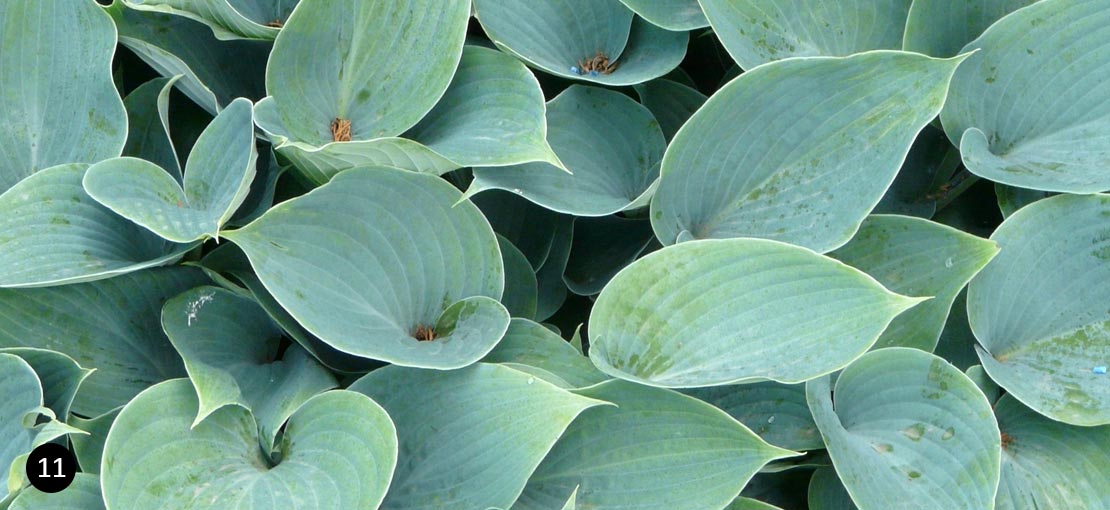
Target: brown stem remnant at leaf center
(341,130)
(424,333)
(599,63)
(1006,440)
(277,23)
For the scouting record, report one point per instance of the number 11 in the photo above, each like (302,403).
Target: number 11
(57,461)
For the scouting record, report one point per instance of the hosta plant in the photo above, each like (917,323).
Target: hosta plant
(555,254)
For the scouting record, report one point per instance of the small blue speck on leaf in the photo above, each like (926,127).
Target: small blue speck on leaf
(1101,370)
(575,70)
(593,73)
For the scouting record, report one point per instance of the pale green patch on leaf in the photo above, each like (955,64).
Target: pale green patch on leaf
(380,263)
(811,161)
(338,450)
(1030,108)
(656,450)
(737,310)
(908,430)
(1039,310)
(461,432)
(217,178)
(759,31)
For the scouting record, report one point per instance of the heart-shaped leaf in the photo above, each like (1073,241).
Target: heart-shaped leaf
(611,144)
(908,431)
(338,451)
(22,396)
(670,14)
(491,114)
(759,31)
(916,257)
(218,174)
(776,412)
(656,450)
(1039,310)
(370,274)
(1049,465)
(364,70)
(109,325)
(214,72)
(737,310)
(228,19)
(941,27)
(461,432)
(52,232)
(230,348)
(571,38)
(148,123)
(807,165)
(528,343)
(57,101)
(1024,115)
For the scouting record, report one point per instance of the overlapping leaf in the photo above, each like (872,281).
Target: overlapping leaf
(359,264)
(59,375)
(22,396)
(776,412)
(148,134)
(337,451)
(916,257)
(109,325)
(1030,108)
(611,145)
(1050,465)
(469,438)
(214,72)
(228,19)
(656,450)
(942,27)
(52,232)
(1039,310)
(217,178)
(562,36)
(57,101)
(82,494)
(736,310)
(759,31)
(528,343)
(908,431)
(230,348)
(798,150)
(670,14)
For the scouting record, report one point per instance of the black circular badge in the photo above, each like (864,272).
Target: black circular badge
(51,467)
